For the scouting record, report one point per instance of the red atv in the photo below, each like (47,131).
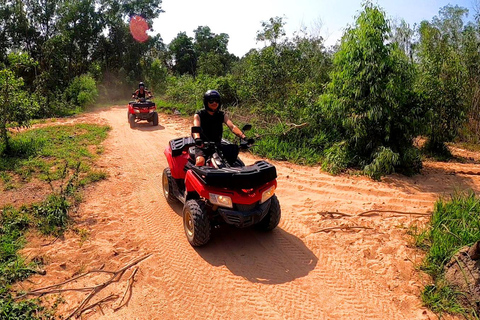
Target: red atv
(142,109)
(224,191)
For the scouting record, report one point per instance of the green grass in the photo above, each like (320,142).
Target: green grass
(64,153)
(41,153)
(455,223)
(13,225)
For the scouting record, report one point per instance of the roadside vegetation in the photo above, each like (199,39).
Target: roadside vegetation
(62,158)
(356,105)
(455,224)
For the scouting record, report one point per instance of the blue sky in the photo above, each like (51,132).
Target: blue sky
(242,19)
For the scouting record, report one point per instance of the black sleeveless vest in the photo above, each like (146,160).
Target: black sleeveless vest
(212,125)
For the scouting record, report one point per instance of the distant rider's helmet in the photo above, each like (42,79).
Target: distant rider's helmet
(209,96)
(141,85)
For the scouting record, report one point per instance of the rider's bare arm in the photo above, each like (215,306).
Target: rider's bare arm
(196,123)
(233,127)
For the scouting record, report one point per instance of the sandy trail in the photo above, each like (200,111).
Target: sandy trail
(297,271)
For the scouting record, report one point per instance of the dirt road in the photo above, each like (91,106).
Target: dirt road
(298,271)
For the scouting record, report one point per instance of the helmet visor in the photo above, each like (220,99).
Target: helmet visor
(212,100)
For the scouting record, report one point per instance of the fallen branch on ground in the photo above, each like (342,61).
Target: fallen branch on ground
(128,289)
(115,277)
(334,212)
(341,228)
(366,213)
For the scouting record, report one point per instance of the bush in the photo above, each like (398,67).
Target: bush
(383,163)
(82,91)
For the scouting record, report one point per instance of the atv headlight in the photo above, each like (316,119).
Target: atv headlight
(222,201)
(267,194)
(151,111)
(137,111)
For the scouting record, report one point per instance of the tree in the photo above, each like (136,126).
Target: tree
(442,77)
(273,30)
(16,105)
(183,54)
(403,35)
(211,50)
(369,104)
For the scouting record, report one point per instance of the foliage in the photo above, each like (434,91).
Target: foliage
(16,104)
(13,224)
(442,76)
(455,223)
(183,53)
(156,76)
(273,30)
(369,102)
(206,54)
(43,152)
(82,91)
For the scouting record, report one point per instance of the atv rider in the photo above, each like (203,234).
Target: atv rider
(211,120)
(141,92)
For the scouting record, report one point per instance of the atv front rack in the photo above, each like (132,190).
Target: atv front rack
(146,104)
(177,145)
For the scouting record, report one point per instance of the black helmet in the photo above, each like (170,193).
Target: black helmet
(212,95)
(141,84)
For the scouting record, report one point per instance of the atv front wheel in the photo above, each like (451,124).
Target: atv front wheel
(196,222)
(167,182)
(131,120)
(271,220)
(155,119)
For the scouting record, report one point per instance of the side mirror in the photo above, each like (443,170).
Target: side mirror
(247,127)
(196,130)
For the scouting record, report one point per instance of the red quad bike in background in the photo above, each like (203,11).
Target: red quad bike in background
(142,109)
(224,191)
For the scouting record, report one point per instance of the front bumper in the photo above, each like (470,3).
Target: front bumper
(244,219)
(144,116)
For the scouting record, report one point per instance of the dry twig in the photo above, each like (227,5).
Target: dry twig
(366,213)
(341,228)
(334,213)
(128,289)
(98,303)
(115,277)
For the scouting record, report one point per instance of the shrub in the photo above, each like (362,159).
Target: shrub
(82,91)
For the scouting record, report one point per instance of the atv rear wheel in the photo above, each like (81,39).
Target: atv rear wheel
(196,222)
(131,120)
(271,220)
(167,182)
(155,119)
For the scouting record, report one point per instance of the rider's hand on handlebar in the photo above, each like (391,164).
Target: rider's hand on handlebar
(199,142)
(249,142)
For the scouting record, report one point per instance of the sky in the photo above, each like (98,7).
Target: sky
(242,19)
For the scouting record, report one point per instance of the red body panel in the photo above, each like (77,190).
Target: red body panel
(176,164)
(192,183)
(131,109)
